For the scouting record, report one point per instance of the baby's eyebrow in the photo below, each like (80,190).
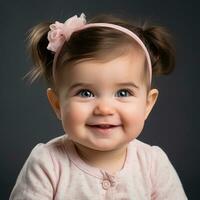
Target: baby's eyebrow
(75,85)
(120,84)
(128,84)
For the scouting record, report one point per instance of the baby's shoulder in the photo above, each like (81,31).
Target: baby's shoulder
(142,146)
(148,152)
(51,153)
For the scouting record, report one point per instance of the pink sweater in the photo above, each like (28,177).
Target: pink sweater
(55,171)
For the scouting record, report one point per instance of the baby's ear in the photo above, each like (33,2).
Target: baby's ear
(151,100)
(54,101)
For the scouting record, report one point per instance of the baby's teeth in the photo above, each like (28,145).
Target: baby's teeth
(104,126)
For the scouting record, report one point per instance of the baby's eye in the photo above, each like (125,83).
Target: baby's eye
(124,93)
(85,93)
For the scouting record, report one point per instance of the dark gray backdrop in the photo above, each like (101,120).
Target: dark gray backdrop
(26,118)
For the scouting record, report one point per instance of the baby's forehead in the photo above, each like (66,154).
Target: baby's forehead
(121,68)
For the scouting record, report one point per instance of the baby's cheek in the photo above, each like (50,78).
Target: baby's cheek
(72,115)
(134,121)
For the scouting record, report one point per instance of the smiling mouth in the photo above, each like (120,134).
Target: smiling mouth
(105,130)
(104,126)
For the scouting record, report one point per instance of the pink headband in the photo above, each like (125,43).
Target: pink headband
(59,33)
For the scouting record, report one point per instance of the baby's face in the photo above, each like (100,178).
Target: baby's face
(103,105)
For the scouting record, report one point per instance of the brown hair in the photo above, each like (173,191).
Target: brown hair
(94,42)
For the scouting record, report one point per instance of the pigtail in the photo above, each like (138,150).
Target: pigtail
(41,57)
(161,49)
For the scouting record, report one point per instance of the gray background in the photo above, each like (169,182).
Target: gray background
(26,118)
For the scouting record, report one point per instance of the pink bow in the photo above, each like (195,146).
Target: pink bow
(59,32)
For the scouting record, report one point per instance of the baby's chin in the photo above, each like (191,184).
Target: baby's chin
(103,146)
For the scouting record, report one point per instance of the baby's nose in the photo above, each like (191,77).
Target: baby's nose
(104,107)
